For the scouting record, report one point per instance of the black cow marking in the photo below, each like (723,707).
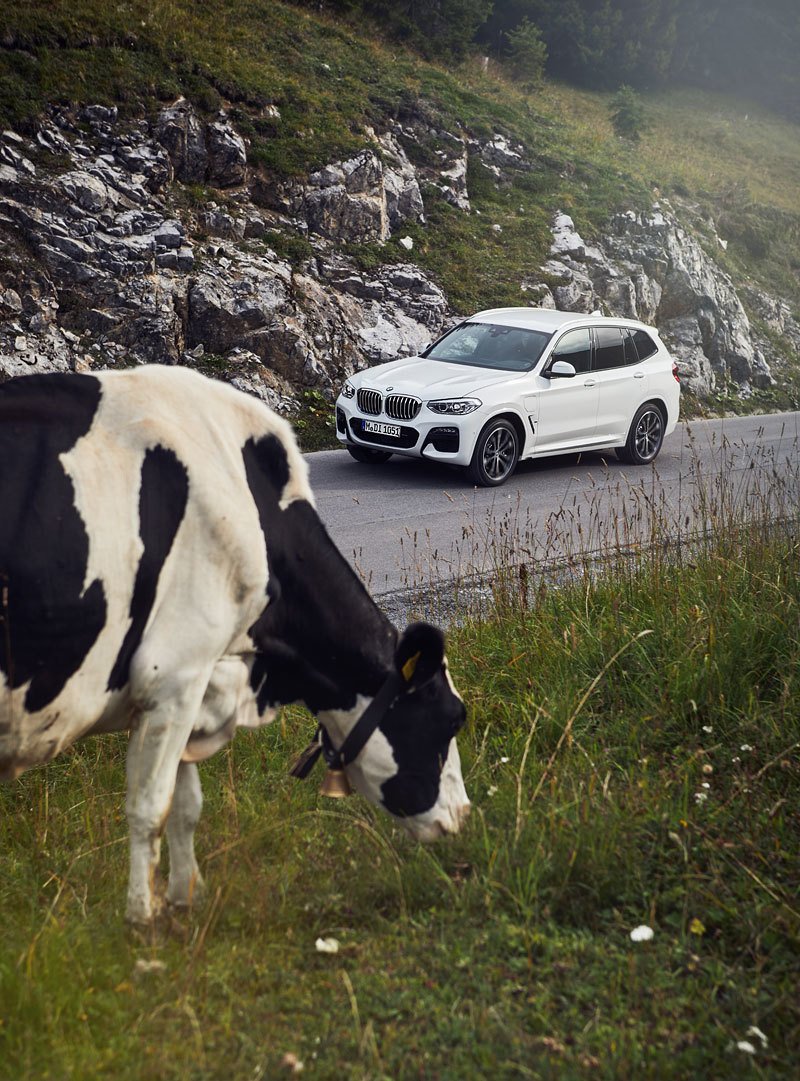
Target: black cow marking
(420,750)
(413,791)
(50,622)
(267,469)
(267,458)
(328,653)
(163,495)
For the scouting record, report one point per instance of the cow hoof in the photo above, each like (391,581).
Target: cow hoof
(139,921)
(142,913)
(185,897)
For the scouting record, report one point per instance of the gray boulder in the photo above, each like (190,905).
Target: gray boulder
(401,186)
(347,201)
(227,155)
(181,133)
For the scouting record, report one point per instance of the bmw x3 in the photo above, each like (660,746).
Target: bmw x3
(515,383)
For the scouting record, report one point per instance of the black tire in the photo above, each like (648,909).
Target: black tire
(367,456)
(645,436)
(496,454)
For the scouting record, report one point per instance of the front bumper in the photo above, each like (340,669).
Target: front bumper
(438,438)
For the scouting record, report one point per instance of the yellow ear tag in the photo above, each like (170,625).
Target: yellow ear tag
(409,666)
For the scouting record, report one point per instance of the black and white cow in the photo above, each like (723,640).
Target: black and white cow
(163,571)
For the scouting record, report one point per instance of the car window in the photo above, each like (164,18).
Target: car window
(645,346)
(631,356)
(576,348)
(609,351)
(486,345)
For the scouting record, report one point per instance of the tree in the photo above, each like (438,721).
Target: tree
(527,52)
(628,114)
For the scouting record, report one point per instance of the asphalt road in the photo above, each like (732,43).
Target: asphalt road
(409,523)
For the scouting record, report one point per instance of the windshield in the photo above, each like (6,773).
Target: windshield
(486,345)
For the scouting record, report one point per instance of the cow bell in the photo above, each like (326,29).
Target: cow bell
(335,784)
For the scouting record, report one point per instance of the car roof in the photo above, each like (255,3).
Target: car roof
(546,319)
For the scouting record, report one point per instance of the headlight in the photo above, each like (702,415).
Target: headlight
(454,407)
(348,390)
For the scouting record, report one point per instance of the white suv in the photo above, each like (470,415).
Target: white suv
(515,383)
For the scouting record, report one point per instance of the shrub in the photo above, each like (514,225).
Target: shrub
(527,53)
(628,114)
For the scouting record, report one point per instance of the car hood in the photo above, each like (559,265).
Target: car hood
(430,379)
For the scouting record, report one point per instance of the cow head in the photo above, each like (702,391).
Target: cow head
(410,765)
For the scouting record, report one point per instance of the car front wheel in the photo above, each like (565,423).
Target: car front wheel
(645,436)
(496,454)
(367,456)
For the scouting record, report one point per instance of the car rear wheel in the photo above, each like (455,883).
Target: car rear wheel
(367,456)
(645,436)
(496,454)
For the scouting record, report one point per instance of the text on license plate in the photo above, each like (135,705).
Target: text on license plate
(382,429)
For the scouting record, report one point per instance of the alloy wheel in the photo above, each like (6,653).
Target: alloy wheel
(648,436)
(499,454)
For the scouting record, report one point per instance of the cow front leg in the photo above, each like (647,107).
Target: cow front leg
(185,882)
(154,752)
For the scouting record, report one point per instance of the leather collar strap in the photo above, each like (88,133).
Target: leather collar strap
(365,725)
(358,735)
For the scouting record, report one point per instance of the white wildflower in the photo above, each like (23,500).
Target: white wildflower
(290,1061)
(754,1030)
(492,790)
(700,797)
(642,933)
(708,729)
(144,967)
(327,945)
(705,784)
(504,759)
(746,1046)
(745,747)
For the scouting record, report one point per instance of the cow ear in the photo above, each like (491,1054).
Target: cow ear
(419,654)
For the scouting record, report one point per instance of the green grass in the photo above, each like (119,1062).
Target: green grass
(633,755)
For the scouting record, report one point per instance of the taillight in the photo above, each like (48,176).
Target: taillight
(675,374)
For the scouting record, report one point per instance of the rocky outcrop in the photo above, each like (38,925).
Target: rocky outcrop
(650,267)
(201,153)
(113,251)
(347,201)
(122,275)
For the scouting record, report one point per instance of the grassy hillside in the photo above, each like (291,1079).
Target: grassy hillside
(330,79)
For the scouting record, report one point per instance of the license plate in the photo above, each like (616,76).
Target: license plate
(377,428)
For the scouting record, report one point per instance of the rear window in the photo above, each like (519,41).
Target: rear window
(645,346)
(609,351)
(487,345)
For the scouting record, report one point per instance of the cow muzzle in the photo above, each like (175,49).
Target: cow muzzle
(428,829)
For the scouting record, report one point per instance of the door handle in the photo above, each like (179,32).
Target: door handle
(638,375)
(589,382)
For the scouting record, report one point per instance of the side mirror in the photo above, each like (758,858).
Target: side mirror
(560,369)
